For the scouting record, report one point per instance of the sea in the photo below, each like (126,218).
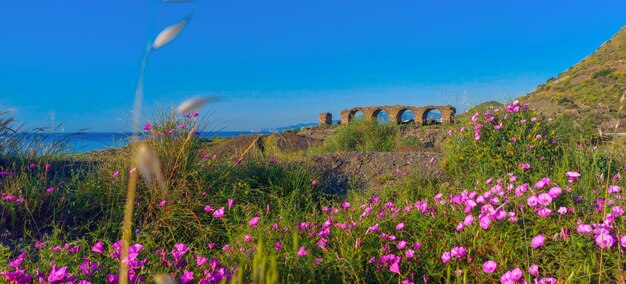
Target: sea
(93,141)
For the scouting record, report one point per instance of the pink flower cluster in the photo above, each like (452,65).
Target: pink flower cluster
(89,268)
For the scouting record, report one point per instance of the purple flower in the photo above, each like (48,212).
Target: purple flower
(88,267)
(201,260)
(417,246)
(187,277)
(17,261)
(395,267)
(445,257)
(409,253)
(373,229)
(147,126)
(74,249)
(113,278)
(555,192)
(302,251)
(489,266)
(219,213)
(532,200)
(544,199)
(572,175)
(116,249)
(547,281)
(254,222)
(400,227)
(18,276)
(534,270)
(543,212)
(604,240)
(485,222)
(542,183)
(345,205)
(57,275)
(458,252)
(537,241)
(179,250)
(584,229)
(511,276)
(401,245)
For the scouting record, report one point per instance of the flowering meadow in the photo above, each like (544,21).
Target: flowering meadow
(520,202)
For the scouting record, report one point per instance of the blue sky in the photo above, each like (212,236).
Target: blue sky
(277,63)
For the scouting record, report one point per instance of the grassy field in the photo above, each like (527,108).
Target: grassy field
(523,199)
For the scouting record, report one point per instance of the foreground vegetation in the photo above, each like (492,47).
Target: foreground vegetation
(522,201)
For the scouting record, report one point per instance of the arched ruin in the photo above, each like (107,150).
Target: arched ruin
(395,113)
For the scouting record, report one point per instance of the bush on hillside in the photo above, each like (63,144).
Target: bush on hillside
(514,139)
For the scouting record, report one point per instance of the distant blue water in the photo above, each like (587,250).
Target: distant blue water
(85,142)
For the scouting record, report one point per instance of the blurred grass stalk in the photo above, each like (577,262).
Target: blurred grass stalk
(132,178)
(164,37)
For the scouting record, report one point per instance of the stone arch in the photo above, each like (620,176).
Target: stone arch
(395,113)
(410,120)
(427,121)
(326,118)
(381,115)
(447,114)
(347,116)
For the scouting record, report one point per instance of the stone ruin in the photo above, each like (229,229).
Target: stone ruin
(395,112)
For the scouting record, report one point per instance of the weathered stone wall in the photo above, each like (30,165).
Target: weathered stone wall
(326,118)
(395,113)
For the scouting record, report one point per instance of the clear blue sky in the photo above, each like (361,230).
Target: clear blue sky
(276,63)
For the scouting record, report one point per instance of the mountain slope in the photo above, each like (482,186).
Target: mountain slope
(594,84)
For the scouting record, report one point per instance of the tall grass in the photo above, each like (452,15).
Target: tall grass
(20,144)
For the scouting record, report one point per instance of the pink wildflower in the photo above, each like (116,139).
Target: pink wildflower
(219,213)
(446,257)
(489,266)
(400,227)
(302,251)
(537,241)
(253,222)
(534,270)
(604,240)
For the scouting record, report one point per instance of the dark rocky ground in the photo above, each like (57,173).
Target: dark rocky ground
(372,170)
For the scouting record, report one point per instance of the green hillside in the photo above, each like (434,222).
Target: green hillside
(594,85)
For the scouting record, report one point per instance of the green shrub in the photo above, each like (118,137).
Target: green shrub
(503,141)
(602,73)
(361,135)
